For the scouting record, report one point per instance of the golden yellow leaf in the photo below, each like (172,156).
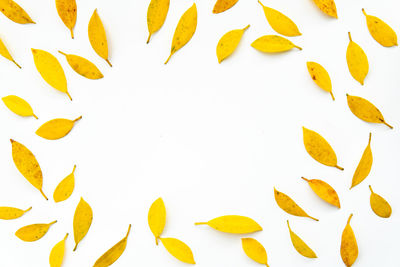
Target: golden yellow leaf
(273,44)
(83,66)
(300,245)
(223,5)
(56,129)
(184,30)
(233,224)
(319,149)
(279,22)
(379,205)
(19,106)
(364,167)
(324,191)
(57,253)
(357,61)
(328,7)
(348,247)
(229,42)
(27,165)
(178,249)
(255,250)
(65,187)
(320,76)
(33,232)
(156,15)
(288,205)
(113,254)
(14,12)
(97,37)
(50,70)
(5,53)
(67,11)
(157,218)
(365,110)
(10,213)
(380,31)
(82,220)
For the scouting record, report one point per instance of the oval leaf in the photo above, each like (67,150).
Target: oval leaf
(223,5)
(156,218)
(178,249)
(379,205)
(5,53)
(97,37)
(288,205)
(83,67)
(33,232)
(255,250)
(301,247)
(82,220)
(56,129)
(380,31)
(65,188)
(10,213)
(14,12)
(67,11)
(273,44)
(364,167)
(348,247)
(233,224)
(357,61)
(156,15)
(19,106)
(328,7)
(228,43)
(57,253)
(324,191)
(320,76)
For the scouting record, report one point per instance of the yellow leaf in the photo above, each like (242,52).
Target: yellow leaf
(27,165)
(83,66)
(5,53)
(233,224)
(357,61)
(57,253)
(65,187)
(328,7)
(300,245)
(67,11)
(156,15)
(19,106)
(113,254)
(365,110)
(82,220)
(178,249)
(228,43)
(320,76)
(348,247)
(379,205)
(280,23)
(56,129)
(364,167)
(33,232)
(223,5)
(324,191)
(9,213)
(14,12)
(255,250)
(156,218)
(273,44)
(97,37)
(50,70)
(184,30)
(380,31)
(288,205)
(319,149)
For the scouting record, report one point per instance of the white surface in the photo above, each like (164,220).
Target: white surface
(210,139)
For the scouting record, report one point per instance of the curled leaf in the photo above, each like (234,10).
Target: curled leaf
(324,191)
(157,217)
(357,61)
(288,205)
(229,42)
(178,249)
(97,37)
(10,213)
(379,205)
(348,247)
(156,15)
(57,253)
(300,245)
(83,67)
(255,250)
(364,167)
(320,76)
(380,31)
(56,129)
(273,44)
(33,232)
(67,11)
(223,5)
(14,12)
(233,224)
(82,220)
(19,106)
(65,188)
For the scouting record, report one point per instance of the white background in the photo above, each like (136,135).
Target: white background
(210,139)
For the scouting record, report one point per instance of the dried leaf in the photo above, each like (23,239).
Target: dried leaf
(83,66)
(67,11)
(178,249)
(65,187)
(156,15)
(184,30)
(19,106)
(33,232)
(223,5)
(279,22)
(324,191)
(348,247)
(229,42)
(357,61)
(14,12)
(57,253)
(56,129)
(113,254)
(5,53)
(379,205)
(300,245)
(328,7)
(156,218)
(319,149)
(288,205)
(364,167)
(82,220)
(365,110)
(273,44)
(233,224)
(10,213)
(97,37)
(27,165)
(380,31)
(320,76)
(255,250)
